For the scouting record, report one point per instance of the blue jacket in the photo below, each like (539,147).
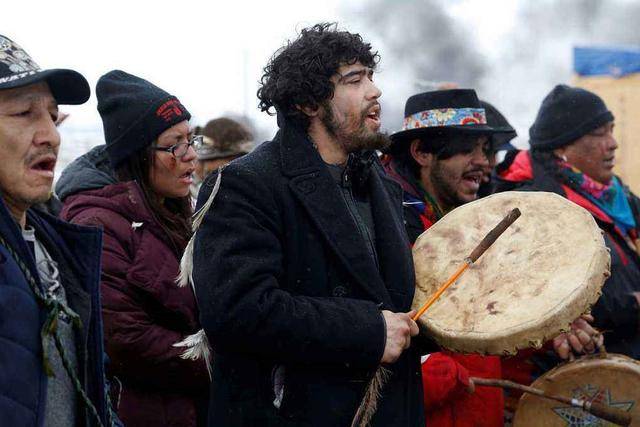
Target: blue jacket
(23,383)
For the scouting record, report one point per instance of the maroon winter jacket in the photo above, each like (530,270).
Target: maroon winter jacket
(144,311)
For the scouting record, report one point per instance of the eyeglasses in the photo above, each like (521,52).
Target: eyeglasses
(180,149)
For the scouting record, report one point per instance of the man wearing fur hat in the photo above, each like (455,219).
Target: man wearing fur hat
(224,139)
(302,282)
(51,355)
(573,154)
(440,158)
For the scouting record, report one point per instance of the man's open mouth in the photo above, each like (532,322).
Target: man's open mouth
(44,165)
(374,114)
(473,178)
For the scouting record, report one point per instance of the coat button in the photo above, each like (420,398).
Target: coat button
(340,291)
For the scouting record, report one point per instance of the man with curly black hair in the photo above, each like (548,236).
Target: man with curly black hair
(302,281)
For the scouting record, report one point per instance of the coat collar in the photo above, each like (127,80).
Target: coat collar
(82,246)
(312,184)
(125,199)
(297,153)
(12,233)
(392,242)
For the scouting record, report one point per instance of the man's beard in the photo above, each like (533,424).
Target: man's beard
(443,181)
(353,141)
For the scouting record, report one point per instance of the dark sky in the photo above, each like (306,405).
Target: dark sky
(424,43)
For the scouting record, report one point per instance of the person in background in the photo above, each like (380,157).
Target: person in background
(51,355)
(223,140)
(144,208)
(499,141)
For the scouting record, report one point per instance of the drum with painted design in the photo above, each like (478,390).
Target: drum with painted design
(546,270)
(609,379)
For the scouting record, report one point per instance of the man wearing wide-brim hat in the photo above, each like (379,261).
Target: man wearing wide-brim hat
(51,355)
(440,158)
(439,154)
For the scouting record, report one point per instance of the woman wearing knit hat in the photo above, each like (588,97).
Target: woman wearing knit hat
(572,154)
(137,189)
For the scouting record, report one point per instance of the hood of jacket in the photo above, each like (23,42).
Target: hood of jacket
(516,167)
(124,199)
(88,172)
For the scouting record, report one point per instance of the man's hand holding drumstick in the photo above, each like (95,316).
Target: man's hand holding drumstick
(400,328)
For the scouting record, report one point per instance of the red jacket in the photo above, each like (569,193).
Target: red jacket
(445,377)
(144,311)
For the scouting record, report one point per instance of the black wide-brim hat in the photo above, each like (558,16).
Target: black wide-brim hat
(441,112)
(18,69)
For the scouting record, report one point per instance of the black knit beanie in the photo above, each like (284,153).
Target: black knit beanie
(134,113)
(566,114)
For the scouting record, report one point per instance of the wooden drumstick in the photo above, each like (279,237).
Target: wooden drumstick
(484,244)
(607,413)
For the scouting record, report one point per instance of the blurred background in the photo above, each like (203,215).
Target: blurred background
(211,53)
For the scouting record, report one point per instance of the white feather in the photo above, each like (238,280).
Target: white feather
(199,216)
(186,263)
(197,347)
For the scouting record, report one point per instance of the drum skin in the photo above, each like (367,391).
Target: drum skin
(610,379)
(546,270)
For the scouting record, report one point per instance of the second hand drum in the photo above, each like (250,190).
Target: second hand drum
(610,380)
(540,275)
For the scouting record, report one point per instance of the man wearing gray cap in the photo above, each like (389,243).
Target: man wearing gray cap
(51,356)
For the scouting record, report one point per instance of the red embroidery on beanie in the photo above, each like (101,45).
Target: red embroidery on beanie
(170,109)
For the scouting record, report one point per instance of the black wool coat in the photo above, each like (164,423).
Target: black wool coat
(289,295)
